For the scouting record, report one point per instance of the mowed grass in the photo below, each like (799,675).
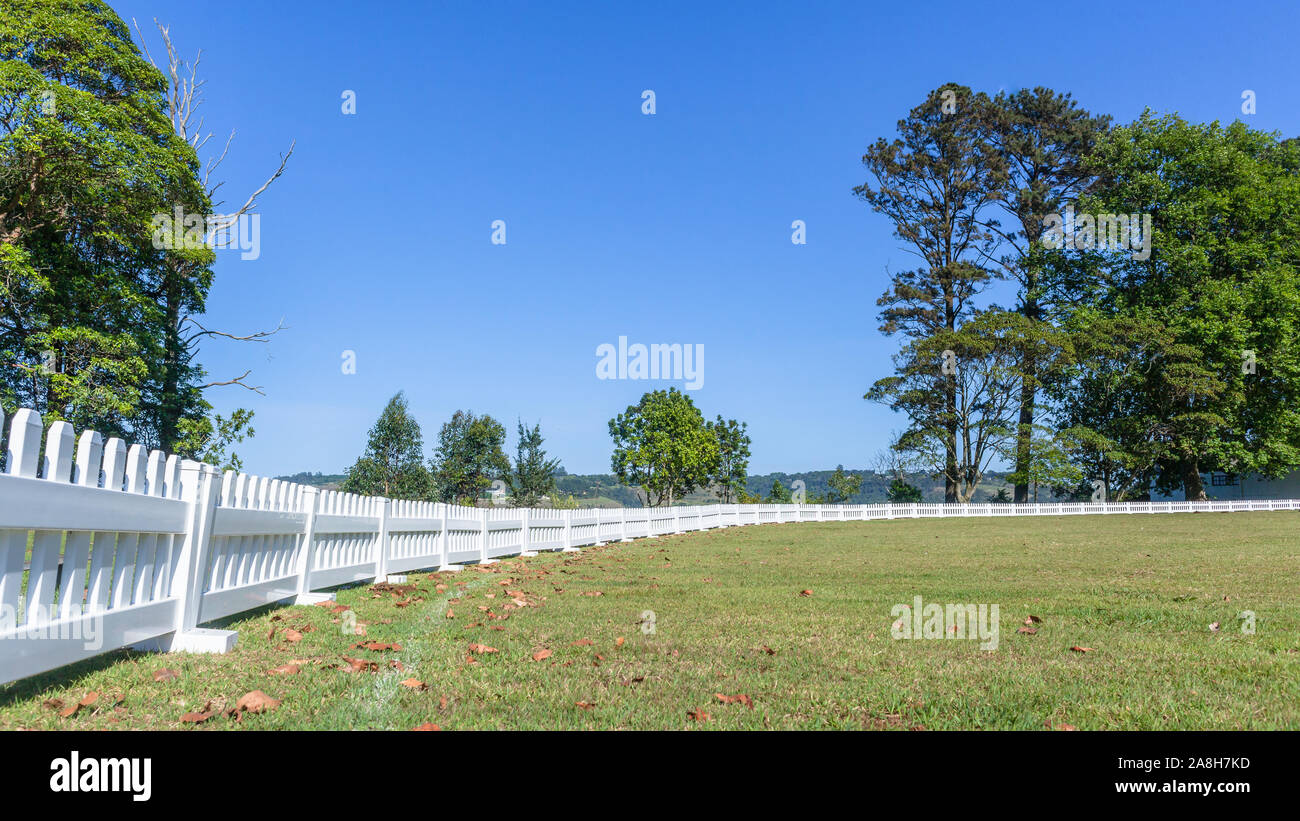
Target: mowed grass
(729,618)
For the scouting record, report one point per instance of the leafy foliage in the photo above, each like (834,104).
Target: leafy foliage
(393,464)
(469,457)
(533,477)
(663,444)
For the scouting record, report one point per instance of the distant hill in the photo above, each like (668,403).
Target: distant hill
(603,489)
(327,481)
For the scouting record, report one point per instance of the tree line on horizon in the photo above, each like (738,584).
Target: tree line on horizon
(1122,366)
(664,449)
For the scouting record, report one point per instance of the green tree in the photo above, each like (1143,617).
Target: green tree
(533,477)
(393,464)
(958,441)
(95,312)
(663,444)
(933,182)
(1214,307)
(87,156)
(211,439)
(733,458)
(843,487)
(780,493)
(469,457)
(1043,139)
(900,492)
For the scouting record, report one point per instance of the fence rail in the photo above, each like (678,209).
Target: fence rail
(104,546)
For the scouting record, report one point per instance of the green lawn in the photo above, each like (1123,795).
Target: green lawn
(729,618)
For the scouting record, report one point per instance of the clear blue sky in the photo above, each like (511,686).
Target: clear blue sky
(666,228)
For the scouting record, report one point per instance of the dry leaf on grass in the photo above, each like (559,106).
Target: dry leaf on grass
(541,654)
(256,702)
(200,716)
(739,698)
(165,674)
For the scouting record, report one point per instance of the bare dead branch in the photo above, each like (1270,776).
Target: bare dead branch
(259,336)
(238,380)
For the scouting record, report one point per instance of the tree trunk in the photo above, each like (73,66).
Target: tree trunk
(1024,435)
(950,491)
(1193,487)
(1028,392)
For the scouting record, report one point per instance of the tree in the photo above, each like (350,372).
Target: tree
(900,492)
(933,182)
(958,441)
(87,156)
(733,458)
(1050,461)
(1207,319)
(213,439)
(94,144)
(1043,139)
(533,478)
(843,487)
(780,493)
(663,444)
(469,457)
(393,463)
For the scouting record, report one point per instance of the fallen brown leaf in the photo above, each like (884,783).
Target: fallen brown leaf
(256,702)
(739,698)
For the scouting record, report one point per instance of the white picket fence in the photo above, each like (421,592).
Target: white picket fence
(137,549)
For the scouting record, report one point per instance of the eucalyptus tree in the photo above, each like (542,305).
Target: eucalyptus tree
(934,182)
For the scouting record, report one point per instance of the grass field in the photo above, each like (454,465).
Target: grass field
(729,617)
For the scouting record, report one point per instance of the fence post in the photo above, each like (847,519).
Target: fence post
(199,487)
(677,522)
(569,546)
(526,534)
(622,525)
(307,554)
(444,539)
(381,541)
(483,538)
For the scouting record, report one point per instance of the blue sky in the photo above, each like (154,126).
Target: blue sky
(671,228)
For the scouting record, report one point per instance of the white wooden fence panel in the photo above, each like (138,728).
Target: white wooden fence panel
(128,546)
